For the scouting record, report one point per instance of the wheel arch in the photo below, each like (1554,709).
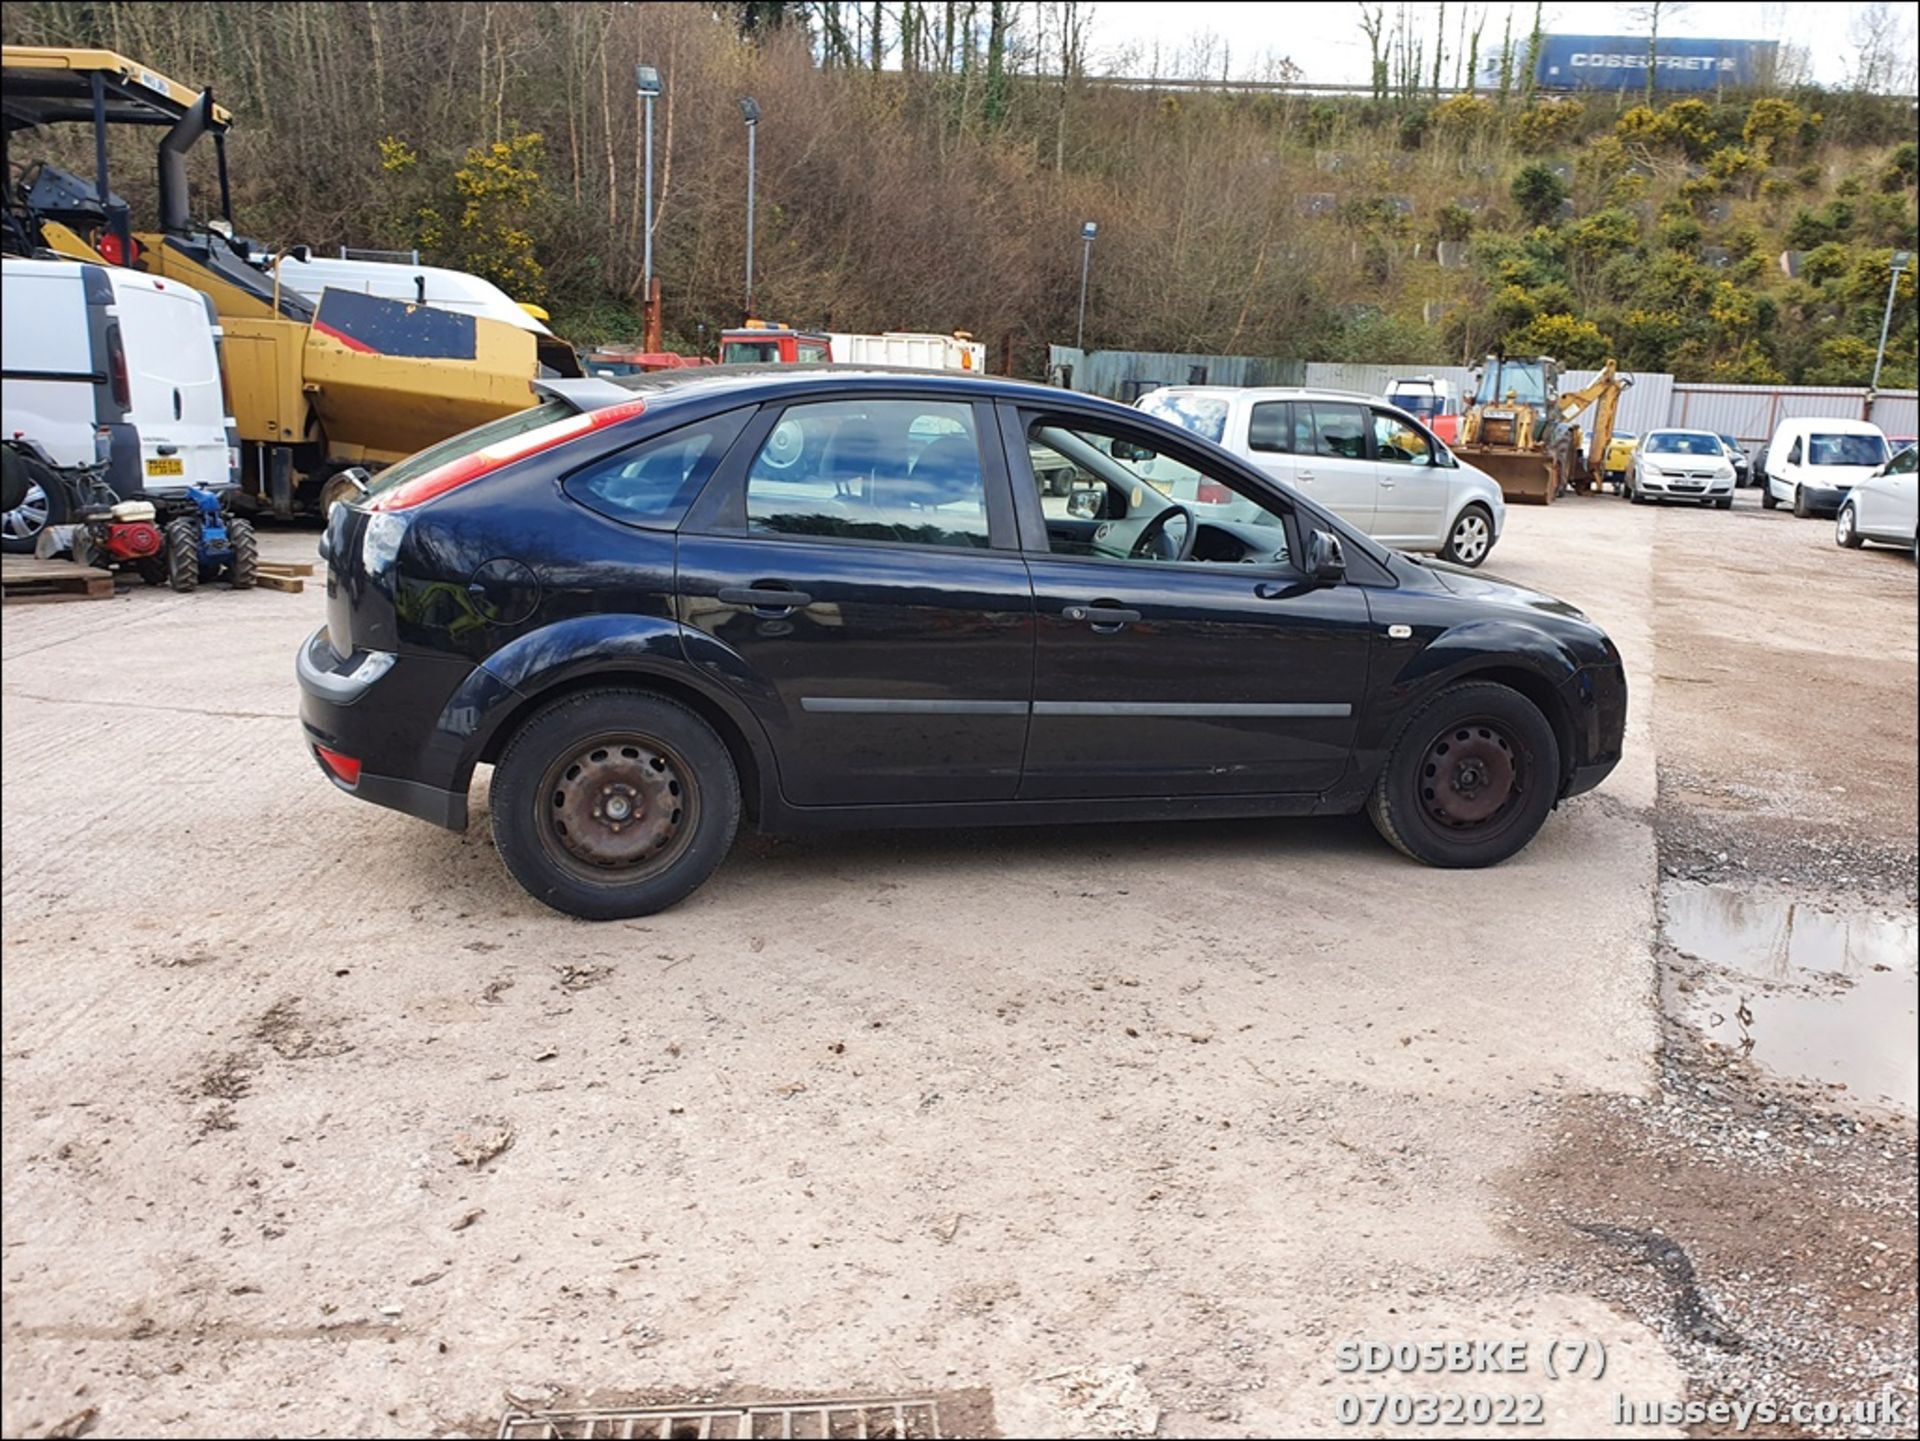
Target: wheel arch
(749,759)
(1523,660)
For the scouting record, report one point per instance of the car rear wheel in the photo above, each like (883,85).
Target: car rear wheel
(1801,510)
(614,803)
(1845,532)
(1471,778)
(1471,537)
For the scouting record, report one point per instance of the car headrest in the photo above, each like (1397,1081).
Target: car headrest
(853,452)
(947,470)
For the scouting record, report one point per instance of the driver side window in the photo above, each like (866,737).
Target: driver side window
(1395,442)
(1106,497)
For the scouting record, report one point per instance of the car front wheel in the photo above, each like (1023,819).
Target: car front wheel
(1845,533)
(1471,537)
(1471,778)
(1767,499)
(1801,510)
(614,803)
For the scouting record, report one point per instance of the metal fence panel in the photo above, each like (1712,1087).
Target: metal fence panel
(1126,375)
(1749,413)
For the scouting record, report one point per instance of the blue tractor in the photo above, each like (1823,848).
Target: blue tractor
(205,542)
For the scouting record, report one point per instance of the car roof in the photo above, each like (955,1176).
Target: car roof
(1272,392)
(1836,424)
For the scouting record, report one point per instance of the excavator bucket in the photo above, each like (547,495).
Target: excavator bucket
(395,377)
(1526,477)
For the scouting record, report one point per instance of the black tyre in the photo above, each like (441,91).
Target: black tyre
(1845,532)
(1471,537)
(244,568)
(614,803)
(153,569)
(1724,503)
(1471,778)
(1801,510)
(183,554)
(40,507)
(1767,500)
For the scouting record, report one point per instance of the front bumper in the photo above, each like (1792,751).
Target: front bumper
(1675,488)
(1596,708)
(373,706)
(1823,497)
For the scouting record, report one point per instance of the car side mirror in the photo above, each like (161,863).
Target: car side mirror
(1127,450)
(1326,561)
(1086,502)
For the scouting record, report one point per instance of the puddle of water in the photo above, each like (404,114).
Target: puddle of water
(1803,992)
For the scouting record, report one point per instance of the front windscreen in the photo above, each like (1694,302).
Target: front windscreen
(1845,450)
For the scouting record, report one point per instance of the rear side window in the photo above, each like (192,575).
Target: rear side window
(653,481)
(1270,427)
(1340,430)
(905,471)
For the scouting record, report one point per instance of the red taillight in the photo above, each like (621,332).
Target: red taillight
(487,459)
(344,769)
(117,369)
(1212,492)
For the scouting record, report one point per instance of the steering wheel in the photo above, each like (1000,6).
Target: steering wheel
(1147,544)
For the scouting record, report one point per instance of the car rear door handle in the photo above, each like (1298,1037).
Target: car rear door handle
(1101,617)
(1303,475)
(764,597)
(1386,485)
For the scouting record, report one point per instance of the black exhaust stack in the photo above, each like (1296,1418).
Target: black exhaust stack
(175,214)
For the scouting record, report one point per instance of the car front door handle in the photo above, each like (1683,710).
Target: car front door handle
(1386,485)
(1101,617)
(756,597)
(1303,475)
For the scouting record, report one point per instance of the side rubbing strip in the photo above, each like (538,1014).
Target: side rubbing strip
(1178,708)
(860,705)
(857,705)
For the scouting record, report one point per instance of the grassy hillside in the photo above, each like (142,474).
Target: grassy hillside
(504,138)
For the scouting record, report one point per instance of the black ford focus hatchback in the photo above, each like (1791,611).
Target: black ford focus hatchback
(834,597)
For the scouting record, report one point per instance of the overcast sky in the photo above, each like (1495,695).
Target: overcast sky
(1324,40)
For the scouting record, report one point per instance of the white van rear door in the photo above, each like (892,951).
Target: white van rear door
(173,376)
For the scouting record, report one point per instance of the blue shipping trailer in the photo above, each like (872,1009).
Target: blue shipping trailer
(1683,63)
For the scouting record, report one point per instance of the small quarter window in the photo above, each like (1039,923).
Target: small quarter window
(653,481)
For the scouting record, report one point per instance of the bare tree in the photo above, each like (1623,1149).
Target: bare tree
(1651,14)
(1881,37)
(1373,22)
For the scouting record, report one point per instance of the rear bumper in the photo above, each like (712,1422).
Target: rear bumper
(373,707)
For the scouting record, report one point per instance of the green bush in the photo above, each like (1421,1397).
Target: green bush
(1538,192)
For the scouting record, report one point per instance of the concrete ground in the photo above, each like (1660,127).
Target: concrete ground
(315,1123)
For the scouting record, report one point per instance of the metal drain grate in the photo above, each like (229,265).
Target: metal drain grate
(883,1419)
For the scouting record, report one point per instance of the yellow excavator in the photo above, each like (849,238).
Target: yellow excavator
(1519,427)
(316,388)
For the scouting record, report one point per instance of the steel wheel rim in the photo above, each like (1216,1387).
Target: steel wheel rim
(1470,538)
(617,808)
(28,518)
(1474,778)
(1843,523)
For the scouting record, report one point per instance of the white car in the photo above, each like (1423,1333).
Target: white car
(1884,507)
(1681,465)
(1813,461)
(1370,463)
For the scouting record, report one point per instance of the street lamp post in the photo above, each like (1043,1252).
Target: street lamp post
(750,112)
(1087,232)
(646,80)
(1900,260)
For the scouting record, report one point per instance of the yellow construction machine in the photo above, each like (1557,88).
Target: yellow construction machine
(315,388)
(1519,427)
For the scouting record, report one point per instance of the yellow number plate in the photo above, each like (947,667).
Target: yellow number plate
(171,465)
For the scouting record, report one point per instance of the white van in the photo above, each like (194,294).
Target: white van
(1370,463)
(1812,462)
(106,364)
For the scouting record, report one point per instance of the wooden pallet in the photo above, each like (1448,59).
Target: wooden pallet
(22,576)
(273,580)
(285,567)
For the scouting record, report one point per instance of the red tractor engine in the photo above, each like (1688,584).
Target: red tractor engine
(133,540)
(129,534)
